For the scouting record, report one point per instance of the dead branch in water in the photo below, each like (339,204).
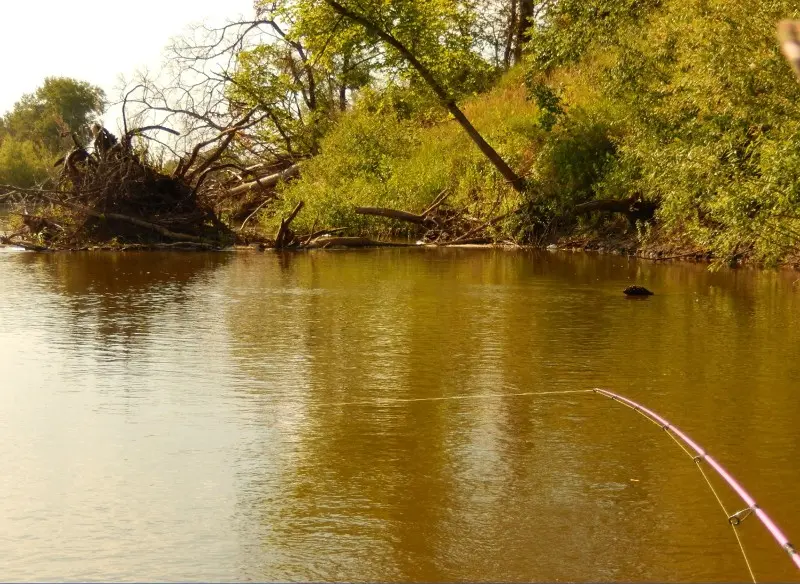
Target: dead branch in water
(352,242)
(443,225)
(11,241)
(305,239)
(285,236)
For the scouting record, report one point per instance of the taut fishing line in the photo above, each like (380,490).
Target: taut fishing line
(389,401)
(691,448)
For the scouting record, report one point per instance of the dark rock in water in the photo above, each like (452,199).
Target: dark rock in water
(637,291)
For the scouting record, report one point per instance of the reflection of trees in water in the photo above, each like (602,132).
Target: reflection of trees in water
(422,489)
(117,296)
(509,488)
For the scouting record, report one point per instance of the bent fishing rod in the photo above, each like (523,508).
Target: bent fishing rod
(700,455)
(689,446)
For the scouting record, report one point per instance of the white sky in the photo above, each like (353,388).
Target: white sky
(94,40)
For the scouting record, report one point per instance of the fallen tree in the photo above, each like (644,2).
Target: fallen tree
(112,193)
(393,214)
(634,208)
(352,242)
(266,182)
(442,224)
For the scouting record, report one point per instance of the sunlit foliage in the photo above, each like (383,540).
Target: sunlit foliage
(700,106)
(37,129)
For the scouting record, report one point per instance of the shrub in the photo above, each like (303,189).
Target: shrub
(22,164)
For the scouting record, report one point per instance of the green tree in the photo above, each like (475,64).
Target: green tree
(428,41)
(442,35)
(701,110)
(22,163)
(298,95)
(319,60)
(61,105)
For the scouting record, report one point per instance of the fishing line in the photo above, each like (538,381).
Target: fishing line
(734,519)
(381,401)
(725,511)
(682,440)
(719,500)
(702,472)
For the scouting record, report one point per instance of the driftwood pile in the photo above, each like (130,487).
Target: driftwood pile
(439,225)
(110,194)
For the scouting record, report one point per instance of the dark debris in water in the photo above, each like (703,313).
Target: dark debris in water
(637,291)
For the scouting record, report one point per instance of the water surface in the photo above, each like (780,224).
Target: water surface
(188,416)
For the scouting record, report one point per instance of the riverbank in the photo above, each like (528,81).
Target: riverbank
(437,187)
(618,246)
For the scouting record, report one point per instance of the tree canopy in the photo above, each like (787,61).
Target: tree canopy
(61,105)
(36,130)
(698,103)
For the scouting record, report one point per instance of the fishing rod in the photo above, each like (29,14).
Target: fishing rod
(701,455)
(689,446)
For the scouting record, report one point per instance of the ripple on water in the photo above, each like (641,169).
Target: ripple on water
(174,416)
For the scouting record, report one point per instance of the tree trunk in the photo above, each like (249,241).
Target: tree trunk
(789,37)
(523,25)
(391,214)
(285,236)
(512,29)
(502,167)
(266,181)
(343,84)
(326,242)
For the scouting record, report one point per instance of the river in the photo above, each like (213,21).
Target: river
(190,416)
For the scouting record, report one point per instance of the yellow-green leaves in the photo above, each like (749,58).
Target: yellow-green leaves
(706,108)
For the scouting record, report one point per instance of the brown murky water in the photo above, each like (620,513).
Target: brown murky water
(178,416)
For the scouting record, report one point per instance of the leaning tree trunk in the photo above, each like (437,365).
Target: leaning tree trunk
(501,165)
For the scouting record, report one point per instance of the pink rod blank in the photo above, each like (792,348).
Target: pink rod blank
(733,483)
